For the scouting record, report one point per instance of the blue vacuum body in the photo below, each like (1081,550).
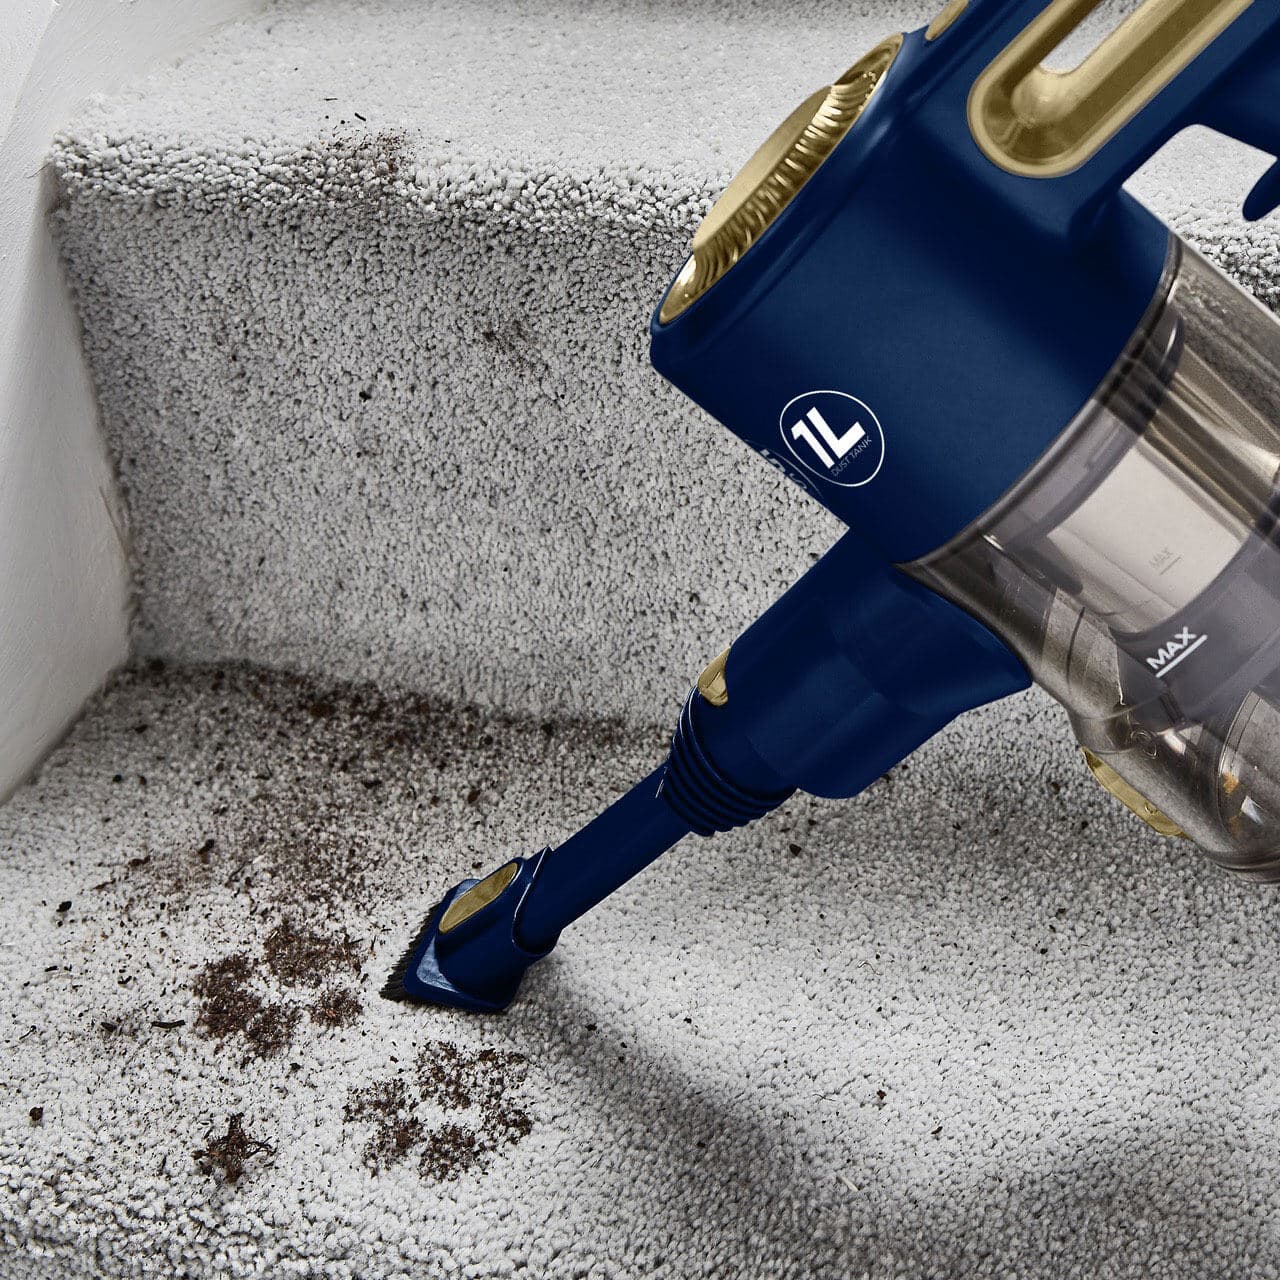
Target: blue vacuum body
(1052,431)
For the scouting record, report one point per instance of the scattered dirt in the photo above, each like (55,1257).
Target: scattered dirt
(227,1156)
(230,1007)
(284,779)
(243,998)
(512,341)
(300,957)
(459,1078)
(270,787)
(461,1107)
(397,1130)
(227,1004)
(336,1006)
(372,156)
(451,1150)
(271,1032)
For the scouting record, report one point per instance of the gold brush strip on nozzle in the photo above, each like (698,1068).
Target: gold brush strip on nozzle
(465,905)
(712,684)
(774,175)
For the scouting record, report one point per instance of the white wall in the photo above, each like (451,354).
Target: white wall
(63,583)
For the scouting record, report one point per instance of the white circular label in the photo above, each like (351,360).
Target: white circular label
(833,436)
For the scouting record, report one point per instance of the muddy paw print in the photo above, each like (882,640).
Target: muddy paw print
(243,1000)
(451,1115)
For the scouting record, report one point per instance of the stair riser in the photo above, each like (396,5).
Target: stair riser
(426,454)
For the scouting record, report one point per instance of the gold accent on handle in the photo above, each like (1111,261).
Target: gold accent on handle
(945,20)
(712,684)
(1111,782)
(488,890)
(1041,123)
(774,175)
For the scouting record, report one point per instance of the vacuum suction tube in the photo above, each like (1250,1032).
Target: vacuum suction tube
(1136,570)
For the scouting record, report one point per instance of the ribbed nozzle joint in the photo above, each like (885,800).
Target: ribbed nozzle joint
(699,793)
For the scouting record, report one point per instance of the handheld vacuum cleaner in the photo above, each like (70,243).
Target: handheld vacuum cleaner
(1051,427)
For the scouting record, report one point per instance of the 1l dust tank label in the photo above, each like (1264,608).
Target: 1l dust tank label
(833,436)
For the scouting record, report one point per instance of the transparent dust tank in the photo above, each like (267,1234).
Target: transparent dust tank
(1136,570)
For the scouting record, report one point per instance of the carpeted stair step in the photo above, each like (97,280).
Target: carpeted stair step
(978,1023)
(365,289)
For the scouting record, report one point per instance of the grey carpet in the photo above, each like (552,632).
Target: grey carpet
(978,1023)
(365,290)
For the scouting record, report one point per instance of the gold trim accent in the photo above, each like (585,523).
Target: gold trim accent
(774,175)
(945,20)
(463,907)
(712,684)
(1111,782)
(1041,123)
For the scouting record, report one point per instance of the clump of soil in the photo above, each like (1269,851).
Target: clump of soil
(227,1003)
(233,1001)
(335,1006)
(472,1096)
(271,1032)
(229,1006)
(228,1155)
(301,957)
(396,1126)
(451,1150)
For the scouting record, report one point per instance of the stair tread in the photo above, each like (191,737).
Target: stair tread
(945,987)
(518,105)
(586,85)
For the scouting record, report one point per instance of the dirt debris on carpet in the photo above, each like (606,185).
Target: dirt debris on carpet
(977,1022)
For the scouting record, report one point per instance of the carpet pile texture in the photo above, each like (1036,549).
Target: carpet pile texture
(423,552)
(979,1022)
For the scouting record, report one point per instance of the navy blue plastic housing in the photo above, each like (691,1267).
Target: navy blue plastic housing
(966,313)
(846,675)
(925,323)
